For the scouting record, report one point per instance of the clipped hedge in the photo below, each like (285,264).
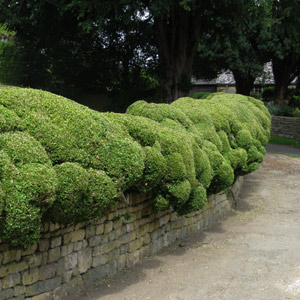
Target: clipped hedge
(62,162)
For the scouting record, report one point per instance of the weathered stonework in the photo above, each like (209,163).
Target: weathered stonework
(67,259)
(285,127)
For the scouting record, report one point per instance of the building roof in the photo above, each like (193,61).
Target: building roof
(227,78)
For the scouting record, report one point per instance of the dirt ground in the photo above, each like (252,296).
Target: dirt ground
(252,254)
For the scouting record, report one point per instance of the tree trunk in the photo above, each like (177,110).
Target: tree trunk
(284,71)
(177,37)
(244,82)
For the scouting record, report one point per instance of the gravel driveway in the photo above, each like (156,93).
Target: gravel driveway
(252,254)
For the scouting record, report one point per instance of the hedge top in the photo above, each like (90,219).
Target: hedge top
(63,162)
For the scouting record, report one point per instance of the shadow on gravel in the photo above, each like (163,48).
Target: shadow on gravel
(126,277)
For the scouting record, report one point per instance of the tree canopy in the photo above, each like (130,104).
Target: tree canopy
(146,46)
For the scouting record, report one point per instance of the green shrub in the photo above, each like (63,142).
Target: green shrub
(295,101)
(198,198)
(197,201)
(256,95)
(62,162)
(155,169)
(280,110)
(181,192)
(296,113)
(161,203)
(10,63)
(71,194)
(23,148)
(268,94)
(200,95)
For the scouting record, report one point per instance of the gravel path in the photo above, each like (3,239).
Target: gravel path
(252,254)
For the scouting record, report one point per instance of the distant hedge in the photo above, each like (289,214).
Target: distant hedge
(62,162)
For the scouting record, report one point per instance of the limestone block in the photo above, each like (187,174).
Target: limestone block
(44,296)
(134,245)
(106,247)
(132,258)
(156,245)
(143,230)
(78,246)
(74,236)
(108,227)
(84,244)
(30,250)
(145,251)
(99,229)
(11,280)
(79,226)
(14,267)
(5,294)
(30,276)
(121,262)
(71,261)
(47,271)
(99,260)
(43,245)
(34,260)
(95,240)
(11,255)
(124,248)
(53,226)
(21,297)
(19,290)
(53,254)
(112,215)
(146,239)
(118,223)
(55,242)
(67,276)
(84,260)
(112,235)
(113,255)
(66,249)
(90,231)
(44,258)
(73,286)
(120,231)
(128,237)
(43,286)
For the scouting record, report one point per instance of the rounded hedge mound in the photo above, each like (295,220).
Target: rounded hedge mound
(62,162)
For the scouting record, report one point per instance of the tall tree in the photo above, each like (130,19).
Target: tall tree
(176,29)
(235,43)
(285,45)
(64,56)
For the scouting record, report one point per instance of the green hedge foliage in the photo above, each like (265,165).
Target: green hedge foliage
(62,162)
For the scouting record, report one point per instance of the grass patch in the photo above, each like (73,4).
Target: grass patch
(285,141)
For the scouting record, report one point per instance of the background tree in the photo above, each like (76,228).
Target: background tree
(283,43)
(166,30)
(65,57)
(235,44)
(10,57)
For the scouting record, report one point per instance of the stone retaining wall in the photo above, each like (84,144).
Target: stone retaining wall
(68,259)
(285,127)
